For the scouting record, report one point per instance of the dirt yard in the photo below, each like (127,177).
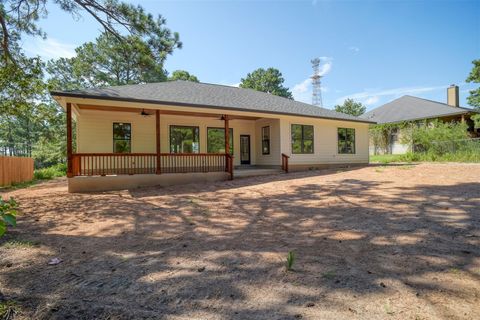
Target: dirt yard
(394,242)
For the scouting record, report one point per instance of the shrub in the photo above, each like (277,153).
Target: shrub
(58,170)
(8,214)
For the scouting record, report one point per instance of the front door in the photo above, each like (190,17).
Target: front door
(244,149)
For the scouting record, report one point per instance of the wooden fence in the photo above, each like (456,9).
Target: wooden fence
(15,169)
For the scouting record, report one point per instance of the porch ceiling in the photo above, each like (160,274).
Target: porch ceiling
(171,112)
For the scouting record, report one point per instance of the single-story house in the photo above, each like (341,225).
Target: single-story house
(180,131)
(412,109)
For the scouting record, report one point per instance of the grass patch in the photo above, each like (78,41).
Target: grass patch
(14,244)
(8,309)
(386,158)
(290,261)
(471,156)
(58,170)
(329,274)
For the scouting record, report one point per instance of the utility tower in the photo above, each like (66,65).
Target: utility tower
(316,84)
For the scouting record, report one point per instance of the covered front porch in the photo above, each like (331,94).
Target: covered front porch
(166,142)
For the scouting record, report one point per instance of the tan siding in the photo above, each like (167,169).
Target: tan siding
(95,131)
(325,141)
(274,157)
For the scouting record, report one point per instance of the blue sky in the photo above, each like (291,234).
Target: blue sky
(372,51)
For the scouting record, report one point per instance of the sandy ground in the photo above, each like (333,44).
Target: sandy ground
(396,242)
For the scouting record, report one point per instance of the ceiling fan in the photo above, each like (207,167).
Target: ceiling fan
(144,113)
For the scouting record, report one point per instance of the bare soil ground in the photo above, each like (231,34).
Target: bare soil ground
(392,242)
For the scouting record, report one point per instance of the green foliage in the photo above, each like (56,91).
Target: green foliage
(430,141)
(466,154)
(109,61)
(21,17)
(15,244)
(290,260)
(182,75)
(8,214)
(380,135)
(55,171)
(133,49)
(476,120)
(269,80)
(424,137)
(474,76)
(8,309)
(351,107)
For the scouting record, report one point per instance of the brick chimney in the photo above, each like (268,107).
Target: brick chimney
(452,96)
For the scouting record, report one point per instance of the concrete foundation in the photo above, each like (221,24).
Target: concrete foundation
(121,182)
(306,167)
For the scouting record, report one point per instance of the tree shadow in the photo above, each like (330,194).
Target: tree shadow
(218,252)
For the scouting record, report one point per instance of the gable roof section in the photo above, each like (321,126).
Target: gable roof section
(203,95)
(408,108)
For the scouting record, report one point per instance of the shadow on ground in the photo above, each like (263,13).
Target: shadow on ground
(365,248)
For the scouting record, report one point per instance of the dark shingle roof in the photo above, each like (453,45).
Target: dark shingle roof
(409,108)
(186,93)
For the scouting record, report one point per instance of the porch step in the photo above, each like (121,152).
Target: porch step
(244,172)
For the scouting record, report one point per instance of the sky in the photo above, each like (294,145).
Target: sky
(371,51)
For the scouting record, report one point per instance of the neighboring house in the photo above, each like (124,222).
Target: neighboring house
(408,108)
(174,132)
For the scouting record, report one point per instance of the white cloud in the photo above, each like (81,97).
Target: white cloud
(372,100)
(302,86)
(371,97)
(303,91)
(49,48)
(354,49)
(325,65)
(233,84)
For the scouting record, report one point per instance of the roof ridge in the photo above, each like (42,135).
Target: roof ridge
(442,103)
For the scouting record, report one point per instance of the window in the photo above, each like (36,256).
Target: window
(122,137)
(184,139)
(266,140)
(302,138)
(346,140)
(216,140)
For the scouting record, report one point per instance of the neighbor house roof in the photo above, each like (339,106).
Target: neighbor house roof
(203,95)
(408,108)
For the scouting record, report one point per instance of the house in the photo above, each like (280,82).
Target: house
(179,132)
(414,109)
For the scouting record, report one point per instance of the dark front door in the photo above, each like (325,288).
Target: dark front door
(245,149)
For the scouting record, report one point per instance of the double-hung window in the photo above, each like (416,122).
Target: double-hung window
(346,140)
(122,137)
(216,140)
(302,138)
(265,140)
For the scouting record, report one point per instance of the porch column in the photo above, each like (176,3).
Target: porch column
(227,135)
(69,141)
(157,130)
(228,157)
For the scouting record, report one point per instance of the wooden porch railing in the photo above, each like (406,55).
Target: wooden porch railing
(90,164)
(285,162)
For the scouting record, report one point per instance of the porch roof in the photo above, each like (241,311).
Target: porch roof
(209,96)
